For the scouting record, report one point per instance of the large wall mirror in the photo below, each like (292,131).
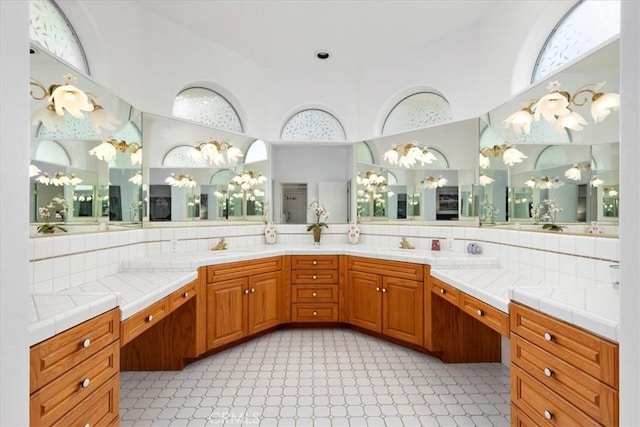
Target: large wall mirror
(182,184)
(568,175)
(439,186)
(72,115)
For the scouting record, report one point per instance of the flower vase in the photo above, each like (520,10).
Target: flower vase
(317,233)
(353,233)
(270,233)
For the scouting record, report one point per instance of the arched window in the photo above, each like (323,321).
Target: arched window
(417,111)
(257,152)
(52,152)
(313,125)
(585,26)
(363,153)
(179,157)
(51,29)
(206,106)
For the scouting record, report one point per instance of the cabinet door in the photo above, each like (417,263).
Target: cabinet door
(403,315)
(226,311)
(365,300)
(263,302)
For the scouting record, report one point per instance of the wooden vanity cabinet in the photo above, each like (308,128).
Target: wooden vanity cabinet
(243,298)
(75,375)
(387,297)
(315,288)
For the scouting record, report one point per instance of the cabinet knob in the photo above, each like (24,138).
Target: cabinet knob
(253,290)
(480,312)
(87,425)
(315,262)
(85,382)
(314,277)
(185,295)
(548,336)
(315,313)
(548,372)
(442,291)
(384,290)
(150,318)
(548,415)
(314,294)
(86,343)
(246,291)
(377,289)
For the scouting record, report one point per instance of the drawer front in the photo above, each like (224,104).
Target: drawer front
(314,313)
(140,322)
(314,276)
(490,316)
(593,397)
(314,293)
(183,295)
(519,419)
(307,262)
(594,355)
(59,397)
(444,291)
(53,357)
(100,409)
(233,270)
(542,405)
(401,270)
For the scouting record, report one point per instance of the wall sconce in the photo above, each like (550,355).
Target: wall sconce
(108,148)
(247,180)
(181,181)
(136,179)
(407,155)
(575,173)
(432,182)
(214,152)
(59,179)
(63,97)
(510,155)
(555,107)
(543,182)
(485,180)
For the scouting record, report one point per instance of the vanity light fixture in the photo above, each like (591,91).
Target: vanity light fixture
(221,193)
(247,180)
(575,172)
(611,192)
(543,182)
(408,155)
(372,181)
(432,182)
(136,179)
(181,181)
(485,180)
(556,108)
(33,170)
(510,155)
(214,152)
(59,179)
(596,182)
(109,147)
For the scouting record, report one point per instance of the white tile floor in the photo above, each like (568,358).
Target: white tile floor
(318,377)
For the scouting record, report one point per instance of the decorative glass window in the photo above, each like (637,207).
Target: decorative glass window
(313,125)
(179,157)
(417,111)
(203,105)
(50,28)
(257,152)
(585,26)
(52,152)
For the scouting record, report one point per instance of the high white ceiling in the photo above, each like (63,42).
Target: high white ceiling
(287,33)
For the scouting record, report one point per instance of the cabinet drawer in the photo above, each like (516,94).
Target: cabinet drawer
(315,293)
(314,276)
(401,270)
(542,405)
(593,355)
(593,397)
(306,262)
(314,313)
(490,316)
(60,396)
(183,295)
(233,270)
(519,419)
(53,357)
(100,409)
(140,322)
(444,291)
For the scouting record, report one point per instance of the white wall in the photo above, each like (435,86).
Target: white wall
(14,202)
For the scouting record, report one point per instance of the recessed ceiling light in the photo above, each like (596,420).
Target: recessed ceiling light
(323,54)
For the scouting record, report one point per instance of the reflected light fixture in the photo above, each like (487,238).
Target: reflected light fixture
(247,180)
(181,181)
(510,155)
(575,172)
(136,179)
(485,180)
(432,182)
(215,152)
(610,192)
(59,179)
(556,108)
(33,170)
(109,147)
(596,182)
(408,155)
(371,181)
(221,193)
(543,182)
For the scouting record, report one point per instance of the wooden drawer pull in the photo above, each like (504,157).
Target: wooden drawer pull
(384,290)
(314,277)
(246,291)
(443,291)
(150,318)
(377,289)
(314,262)
(253,290)
(87,425)
(85,383)
(314,294)
(86,343)
(480,313)
(548,415)
(315,313)
(548,372)
(185,295)
(548,336)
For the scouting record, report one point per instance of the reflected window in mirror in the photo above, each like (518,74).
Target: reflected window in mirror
(256,152)
(417,111)
(50,28)
(313,124)
(364,153)
(179,157)
(207,106)
(585,26)
(52,152)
